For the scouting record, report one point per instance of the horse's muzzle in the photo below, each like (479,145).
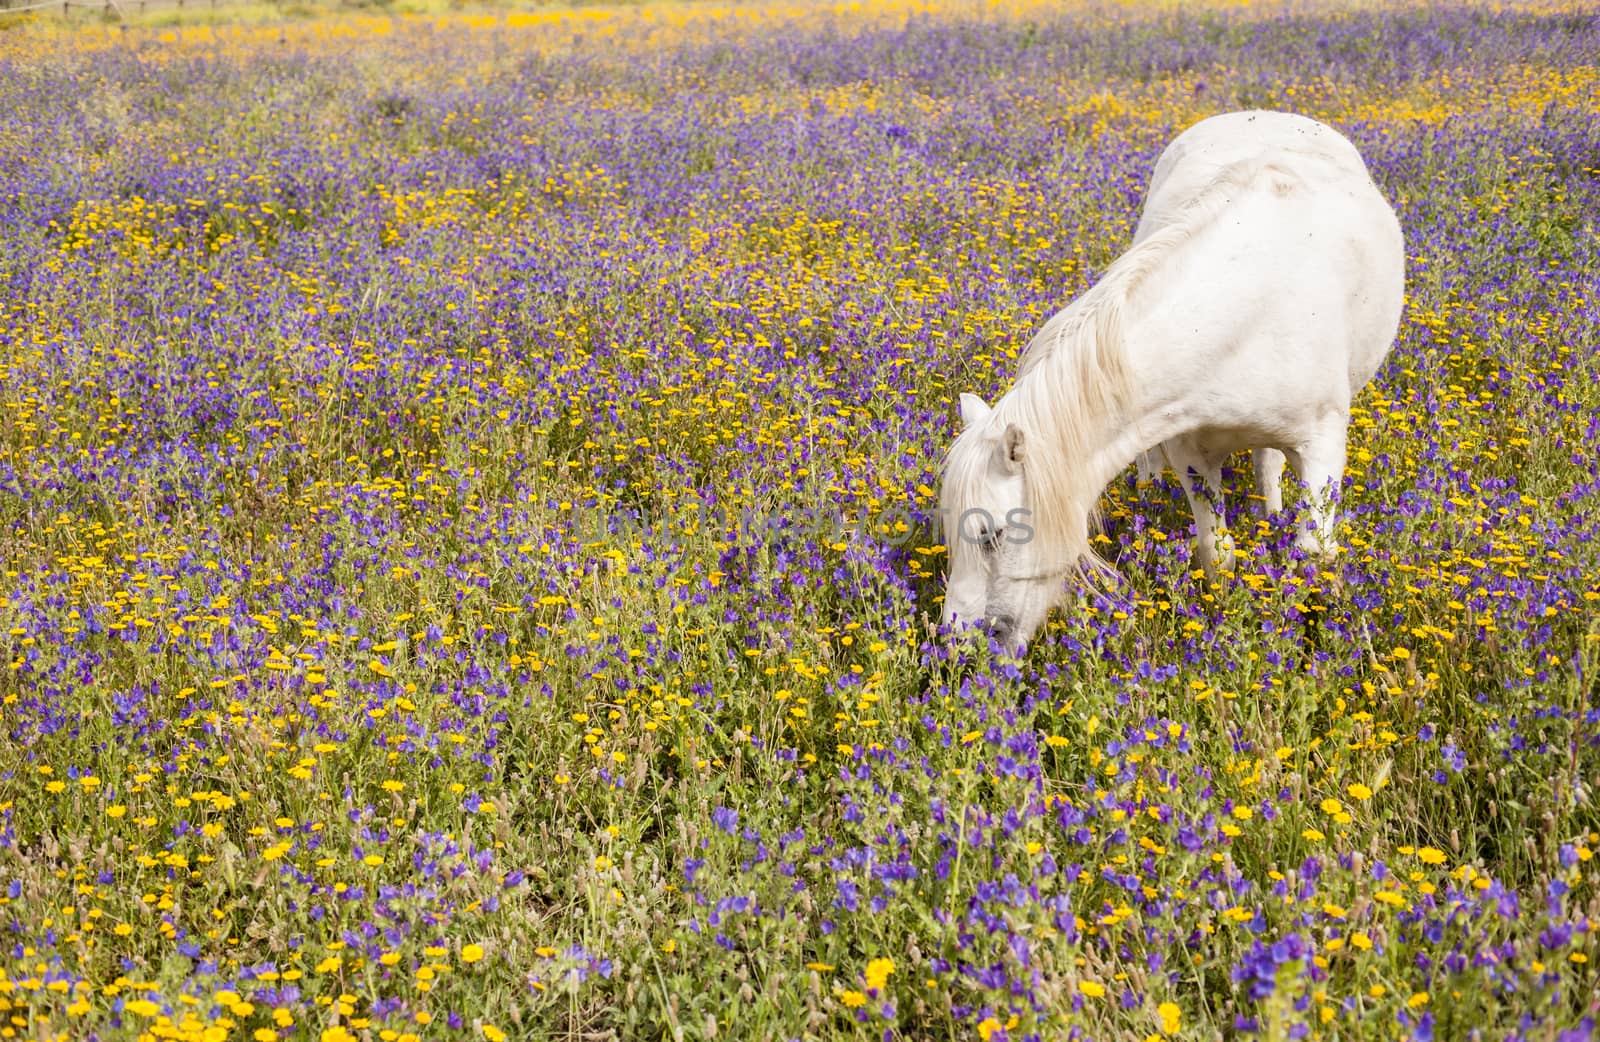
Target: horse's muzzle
(1001,629)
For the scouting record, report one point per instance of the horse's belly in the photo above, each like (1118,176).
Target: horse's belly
(1219,442)
(1220,425)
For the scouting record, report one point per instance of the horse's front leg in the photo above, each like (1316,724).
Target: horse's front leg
(1149,465)
(1202,483)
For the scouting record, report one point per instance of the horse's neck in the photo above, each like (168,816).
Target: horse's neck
(1156,409)
(1145,420)
(1120,448)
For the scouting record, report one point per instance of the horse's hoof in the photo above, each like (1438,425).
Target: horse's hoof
(1311,542)
(1217,558)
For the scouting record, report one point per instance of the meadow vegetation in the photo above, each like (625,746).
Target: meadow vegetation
(414,624)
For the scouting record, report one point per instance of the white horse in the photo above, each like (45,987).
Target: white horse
(1262,291)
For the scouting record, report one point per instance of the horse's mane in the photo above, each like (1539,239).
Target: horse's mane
(1073,382)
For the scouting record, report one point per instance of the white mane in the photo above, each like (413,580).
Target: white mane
(1073,383)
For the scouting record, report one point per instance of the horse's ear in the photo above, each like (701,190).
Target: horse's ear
(973,409)
(1011,447)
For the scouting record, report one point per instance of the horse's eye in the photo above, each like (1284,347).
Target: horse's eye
(991,539)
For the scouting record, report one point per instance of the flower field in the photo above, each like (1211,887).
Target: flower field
(466,491)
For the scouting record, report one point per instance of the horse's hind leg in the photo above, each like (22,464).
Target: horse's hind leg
(1213,544)
(1319,461)
(1269,477)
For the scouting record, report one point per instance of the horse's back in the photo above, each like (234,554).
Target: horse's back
(1196,157)
(1324,209)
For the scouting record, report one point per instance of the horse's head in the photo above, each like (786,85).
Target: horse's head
(999,577)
